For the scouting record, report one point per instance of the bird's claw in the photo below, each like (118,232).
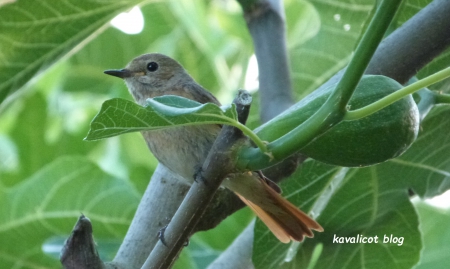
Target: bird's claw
(161,235)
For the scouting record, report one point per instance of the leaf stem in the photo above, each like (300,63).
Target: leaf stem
(363,53)
(258,142)
(442,98)
(393,97)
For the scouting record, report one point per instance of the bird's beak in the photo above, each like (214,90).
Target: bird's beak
(122,73)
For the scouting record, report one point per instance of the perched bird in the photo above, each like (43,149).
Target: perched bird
(183,149)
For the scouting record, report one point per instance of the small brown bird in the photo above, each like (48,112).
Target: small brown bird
(182,149)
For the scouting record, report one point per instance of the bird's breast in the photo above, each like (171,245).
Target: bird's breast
(182,149)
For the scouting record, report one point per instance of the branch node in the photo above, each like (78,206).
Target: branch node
(79,249)
(243,102)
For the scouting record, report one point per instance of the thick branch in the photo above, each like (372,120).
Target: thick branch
(416,43)
(399,56)
(217,165)
(265,21)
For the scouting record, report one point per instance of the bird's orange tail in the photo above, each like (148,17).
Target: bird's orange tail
(286,221)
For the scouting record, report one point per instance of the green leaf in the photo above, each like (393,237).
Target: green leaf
(119,116)
(367,205)
(31,138)
(35,34)
(425,167)
(435,236)
(49,203)
(350,202)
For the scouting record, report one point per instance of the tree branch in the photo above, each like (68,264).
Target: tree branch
(265,21)
(398,56)
(413,45)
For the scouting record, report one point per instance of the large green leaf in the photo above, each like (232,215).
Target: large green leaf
(119,116)
(35,142)
(367,205)
(34,34)
(49,203)
(356,202)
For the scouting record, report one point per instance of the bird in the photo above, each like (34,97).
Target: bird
(182,149)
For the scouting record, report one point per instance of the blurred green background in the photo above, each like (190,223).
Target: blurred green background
(49,175)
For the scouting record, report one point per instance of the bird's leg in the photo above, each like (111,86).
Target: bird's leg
(198,175)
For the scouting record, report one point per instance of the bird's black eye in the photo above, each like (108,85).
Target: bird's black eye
(152,66)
